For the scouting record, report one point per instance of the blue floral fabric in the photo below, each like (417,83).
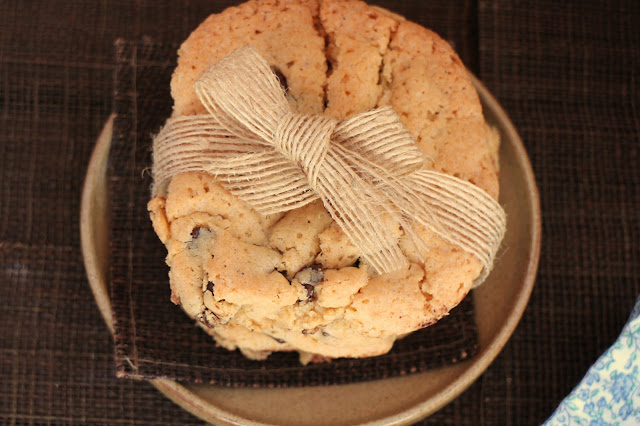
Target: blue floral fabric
(609,394)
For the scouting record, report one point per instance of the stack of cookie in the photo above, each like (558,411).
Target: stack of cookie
(293,281)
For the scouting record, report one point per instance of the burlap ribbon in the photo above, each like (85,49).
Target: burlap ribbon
(367,169)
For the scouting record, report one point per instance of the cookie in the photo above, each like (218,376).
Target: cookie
(293,281)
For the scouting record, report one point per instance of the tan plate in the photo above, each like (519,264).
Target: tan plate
(500,303)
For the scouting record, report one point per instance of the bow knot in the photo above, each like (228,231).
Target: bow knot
(304,140)
(367,169)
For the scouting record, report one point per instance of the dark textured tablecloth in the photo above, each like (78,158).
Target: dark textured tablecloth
(566,72)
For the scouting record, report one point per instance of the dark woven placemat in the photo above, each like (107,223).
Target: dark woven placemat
(566,72)
(154,338)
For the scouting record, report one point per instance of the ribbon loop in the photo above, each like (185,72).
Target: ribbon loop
(243,95)
(380,136)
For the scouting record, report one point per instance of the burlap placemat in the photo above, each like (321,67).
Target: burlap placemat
(154,338)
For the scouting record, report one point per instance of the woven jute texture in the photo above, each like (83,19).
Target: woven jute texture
(154,338)
(566,72)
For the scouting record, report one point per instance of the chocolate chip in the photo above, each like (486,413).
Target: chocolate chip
(309,277)
(277,340)
(310,291)
(281,77)
(314,330)
(210,320)
(210,286)
(195,233)
(356,263)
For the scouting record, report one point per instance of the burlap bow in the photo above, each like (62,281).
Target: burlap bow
(367,169)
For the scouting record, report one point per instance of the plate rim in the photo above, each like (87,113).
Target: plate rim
(191,402)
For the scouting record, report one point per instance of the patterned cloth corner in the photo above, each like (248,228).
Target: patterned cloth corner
(609,394)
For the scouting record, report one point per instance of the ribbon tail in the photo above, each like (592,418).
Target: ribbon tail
(458,211)
(266,180)
(187,144)
(367,220)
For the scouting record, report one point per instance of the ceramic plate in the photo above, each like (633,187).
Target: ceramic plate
(500,302)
